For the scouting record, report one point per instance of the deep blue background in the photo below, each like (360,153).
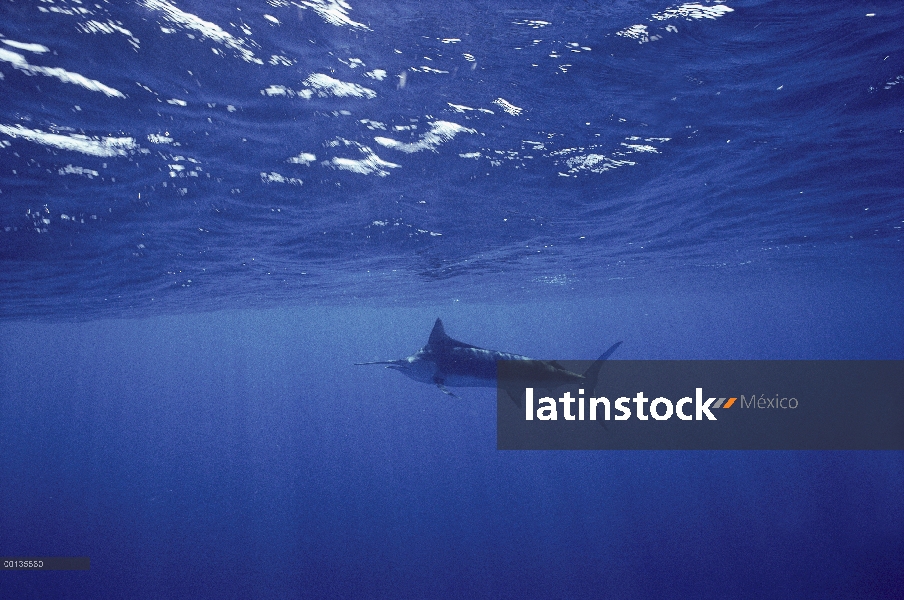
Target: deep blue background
(177,395)
(240,454)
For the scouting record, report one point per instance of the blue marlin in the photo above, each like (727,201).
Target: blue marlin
(446,362)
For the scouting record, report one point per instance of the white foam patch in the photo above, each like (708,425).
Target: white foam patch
(596,163)
(461,108)
(893,82)
(155,138)
(177,170)
(325,86)
(693,11)
(274,177)
(334,12)
(378,74)
(36,48)
(61,10)
(641,148)
(278,90)
(364,166)
(636,32)
(508,107)
(73,170)
(19,62)
(533,24)
(426,69)
(496,157)
(109,27)
(206,29)
(689,12)
(412,230)
(369,164)
(93,146)
(440,131)
(600,163)
(272,19)
(305,158)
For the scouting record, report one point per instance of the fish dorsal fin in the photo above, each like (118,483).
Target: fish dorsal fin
(438,335)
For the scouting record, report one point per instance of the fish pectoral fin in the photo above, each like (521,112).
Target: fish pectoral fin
(445,390)
(441,384)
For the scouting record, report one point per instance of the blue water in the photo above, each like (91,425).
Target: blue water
(208,212)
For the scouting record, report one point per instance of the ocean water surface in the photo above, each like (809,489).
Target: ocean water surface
(210,211)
